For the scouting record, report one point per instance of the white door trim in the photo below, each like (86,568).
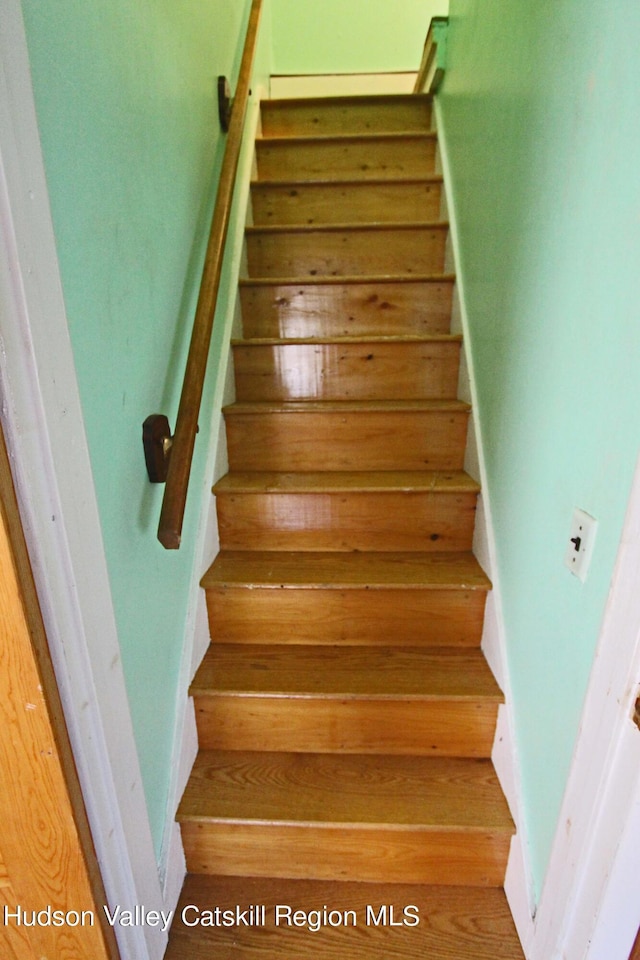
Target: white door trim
(44,430)
(589,908)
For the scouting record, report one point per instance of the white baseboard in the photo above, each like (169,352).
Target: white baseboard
(518,884)
(517,888)
(176,870)
(341,84)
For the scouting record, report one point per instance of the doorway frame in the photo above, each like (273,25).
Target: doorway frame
(46,441)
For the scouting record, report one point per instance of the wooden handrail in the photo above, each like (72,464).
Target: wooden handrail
(183,441)
(429,56)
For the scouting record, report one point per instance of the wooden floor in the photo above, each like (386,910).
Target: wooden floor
(442,923)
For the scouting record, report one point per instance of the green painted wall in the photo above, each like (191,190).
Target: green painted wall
(125,94)
(541,121)
(358,36)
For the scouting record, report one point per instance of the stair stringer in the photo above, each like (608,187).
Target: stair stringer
(197,636)
(519,877)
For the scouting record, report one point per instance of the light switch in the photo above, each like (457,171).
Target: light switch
(580,546)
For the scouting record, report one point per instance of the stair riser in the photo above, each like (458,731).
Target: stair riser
(352,252)
(346,521)
(361,309)
(353,371)
(411,202)
(379,617)
(445,857)
(442,728)
(384,159)
(347,441)
(316,118)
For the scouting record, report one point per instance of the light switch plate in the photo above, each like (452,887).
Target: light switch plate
(580,546)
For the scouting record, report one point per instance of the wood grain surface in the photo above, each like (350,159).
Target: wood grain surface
(411,855)
(399,819)
(351,202)
(47,854)
(456,923)
(377,599)
(392,157)
(342,699)
(346,672)
(339,521)
(398,368)
(346,306)
(340,251)
(349,435)
(300,788)
(331,615)
(325,116)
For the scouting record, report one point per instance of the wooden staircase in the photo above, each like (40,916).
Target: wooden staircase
(345,712)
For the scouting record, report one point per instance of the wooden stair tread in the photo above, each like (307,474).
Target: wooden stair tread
(346,571)
(453,481)
(373,137)
(404,338)
(360,790)
(456,923)
(346,672)
(345,712)
(347,406)
(276,229)
(436,178)
(347,100)
(342,280)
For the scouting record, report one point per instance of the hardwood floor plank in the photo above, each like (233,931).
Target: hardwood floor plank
(382,673)
(390,791)
(455,923)
(321,570)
